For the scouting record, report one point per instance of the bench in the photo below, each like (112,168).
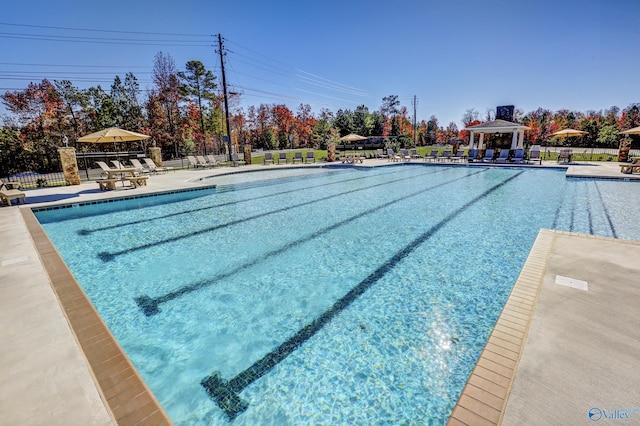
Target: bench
(110,184)
(629,168)
(137,181)
(107,184)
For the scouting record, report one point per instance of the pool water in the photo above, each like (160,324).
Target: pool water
(323,295)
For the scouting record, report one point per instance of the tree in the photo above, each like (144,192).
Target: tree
(166,94)
(198,83)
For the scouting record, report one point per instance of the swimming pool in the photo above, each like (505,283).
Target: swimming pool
(321,296)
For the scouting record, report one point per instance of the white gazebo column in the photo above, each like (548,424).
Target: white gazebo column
(470,140)
(481,141)
(514,139)
(520,139)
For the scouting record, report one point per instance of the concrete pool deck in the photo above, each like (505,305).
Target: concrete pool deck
(556,353)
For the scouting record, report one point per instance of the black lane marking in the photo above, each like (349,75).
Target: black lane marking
(225,393)
(150,305)
(573,208)
(107,256)
(606,212)
(151,219)
(588,203)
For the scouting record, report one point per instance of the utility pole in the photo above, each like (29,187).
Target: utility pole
(415,130)
(224,90)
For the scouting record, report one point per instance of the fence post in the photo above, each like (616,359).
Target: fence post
(69,165)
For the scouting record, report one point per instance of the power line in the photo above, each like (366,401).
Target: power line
(104,31)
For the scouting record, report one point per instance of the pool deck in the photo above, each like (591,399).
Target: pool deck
(556,352)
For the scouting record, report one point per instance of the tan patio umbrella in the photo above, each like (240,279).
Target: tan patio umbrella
(568,133)
(352,137)
(113,134)
(634,131)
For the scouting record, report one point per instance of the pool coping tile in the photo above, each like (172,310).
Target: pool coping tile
(491,380)
(125,394)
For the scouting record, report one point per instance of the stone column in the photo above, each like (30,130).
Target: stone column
(155,153)
(331,151)
(69,165)
(623,150)
(247,154)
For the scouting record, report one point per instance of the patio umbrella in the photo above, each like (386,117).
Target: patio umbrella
(113,134)
(634,131)
(352,137)
(568,133)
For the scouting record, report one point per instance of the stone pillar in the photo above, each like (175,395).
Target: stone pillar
(155,153)
(623,150)
(69,165)
(331,151)
(247,154)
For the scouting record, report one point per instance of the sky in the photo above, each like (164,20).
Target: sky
(450,56)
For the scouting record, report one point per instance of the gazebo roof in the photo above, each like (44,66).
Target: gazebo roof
(497,126)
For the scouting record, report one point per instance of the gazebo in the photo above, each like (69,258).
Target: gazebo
(497,126)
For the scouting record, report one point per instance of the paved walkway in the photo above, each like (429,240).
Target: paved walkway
(579,351)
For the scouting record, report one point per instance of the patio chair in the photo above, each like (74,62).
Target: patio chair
(9,192)
(193,162)
(534,155)
(445,155)
(282,156)
(152,166)
(202,161)
(503,157)
(392,156)
(268,158)
(381,154)
(212,160)
(105,167)
(432,156)
(297,156)
(488,156)
(518,156)
(236,161)
(405,155)
(139,167)
(310,157)
(414,154)
(458,157)
(473,155)
(117,164)
(565,156)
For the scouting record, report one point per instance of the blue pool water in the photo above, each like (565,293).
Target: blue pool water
(321,296)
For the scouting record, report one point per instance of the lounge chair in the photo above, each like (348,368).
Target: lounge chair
(534,156)
(503,157)
(140,169)
(268,158)
(152,166)
(105,167)
(488,156)
(282,156)
(414,154)
(405,155)
(392,156)
(211,160)
(432,156)
(236,161)
(310,157)
(297,156)
(518,156)
(381,154)
(193,162)
(459,155)
(118,165)
(9,191)
(203,161)
(473,155)
(445,155)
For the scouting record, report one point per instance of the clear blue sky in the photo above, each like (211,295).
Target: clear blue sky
(452,55)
